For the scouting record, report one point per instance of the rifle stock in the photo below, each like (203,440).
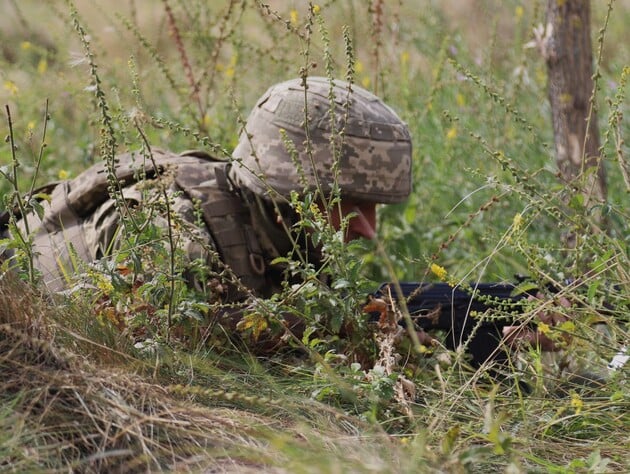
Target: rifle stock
(457,312)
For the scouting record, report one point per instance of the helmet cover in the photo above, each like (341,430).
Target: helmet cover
(354,140)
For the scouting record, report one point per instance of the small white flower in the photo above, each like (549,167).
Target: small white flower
(521,72)
(542,38)
(76,59)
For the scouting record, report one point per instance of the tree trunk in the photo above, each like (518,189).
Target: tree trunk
(569,56)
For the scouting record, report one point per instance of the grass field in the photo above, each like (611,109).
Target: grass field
(82,80)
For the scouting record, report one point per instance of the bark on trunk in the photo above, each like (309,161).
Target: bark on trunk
(569,56)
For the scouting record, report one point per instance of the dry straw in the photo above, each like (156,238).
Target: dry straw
(66,412)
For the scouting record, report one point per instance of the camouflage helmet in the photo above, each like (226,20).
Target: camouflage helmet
(374,149)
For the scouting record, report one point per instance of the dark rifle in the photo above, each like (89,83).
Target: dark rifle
(462,313)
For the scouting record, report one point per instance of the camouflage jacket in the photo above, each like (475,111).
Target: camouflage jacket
(209,220)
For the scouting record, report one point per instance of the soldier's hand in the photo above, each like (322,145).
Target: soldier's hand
(517,335)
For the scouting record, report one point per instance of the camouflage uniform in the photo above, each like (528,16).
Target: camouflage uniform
(292,141)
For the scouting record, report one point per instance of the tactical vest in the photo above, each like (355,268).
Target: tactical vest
(201,177)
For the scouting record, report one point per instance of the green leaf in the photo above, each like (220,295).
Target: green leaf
(6,171)
(603,261)
(37,207)
(577,202)
(279,260)
(524,287)
(340,284)
(307,334)
(335,322)
(410,214)
(41,197)
(448,442)
(592,290)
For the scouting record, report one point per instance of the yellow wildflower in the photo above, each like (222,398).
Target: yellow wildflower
(315,211)
(231,68)
(576,403)
(25,45)
(254,322)
(11,87)
(63,174)
(460,99)
(42,66)
(294,17)
(358,67)
(404,58)
(102,283)
(519,11)
(316,9)
(365,82)
(439,271)
(30,125)
(207,121)
(543,328)
(451,133)
(517,221)
(567,326)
